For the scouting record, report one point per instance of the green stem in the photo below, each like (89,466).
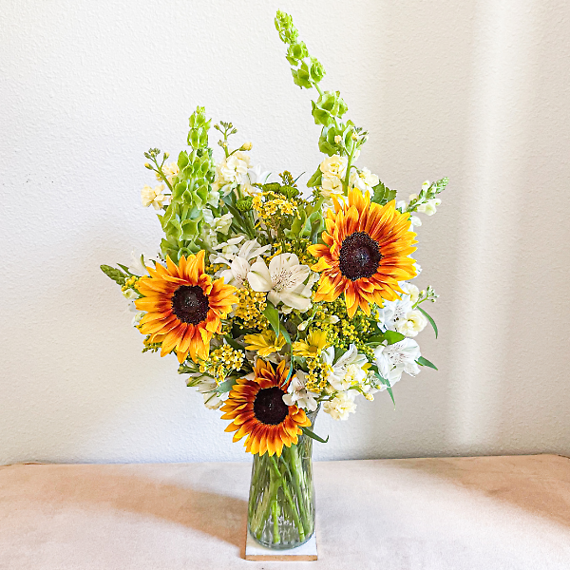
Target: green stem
(289,498)
(275,514)
(295,468)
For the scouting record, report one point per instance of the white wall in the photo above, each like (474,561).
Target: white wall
(478,91)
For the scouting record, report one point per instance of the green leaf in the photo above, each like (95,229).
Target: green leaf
(233,343)
(272,315)
(226,386)
(425,362)
(314,436)
(315,180)
(388,387)
(382,194)
(431,321)
(393,337)
(115,274)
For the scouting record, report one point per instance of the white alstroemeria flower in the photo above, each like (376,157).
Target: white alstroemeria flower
(212,399)
(249,249)
(363,180)
(284,281)
(139,262)
(401,356)
(394,312)
(232,170)
(237,274)
(254,176)
(298,395)
(429,208)
(347,371)
(414,324)
(340,406)
(153,196)
(221,224)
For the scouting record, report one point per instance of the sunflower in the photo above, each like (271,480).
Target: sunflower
(366,252)
(184,308)
(256,406)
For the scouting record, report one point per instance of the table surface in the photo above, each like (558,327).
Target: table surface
(488,513)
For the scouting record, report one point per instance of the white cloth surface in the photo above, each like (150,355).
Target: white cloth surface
(488,513)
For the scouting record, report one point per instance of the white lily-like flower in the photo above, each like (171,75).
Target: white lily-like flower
(283,281)
(394,312)
(237,273)
(348,370)
(396,358)
(341,405)
(139,262)
(254,176)
(221,224)
(298,395)
(230,250)
(212,399)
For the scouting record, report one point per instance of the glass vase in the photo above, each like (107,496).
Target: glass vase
(281,511)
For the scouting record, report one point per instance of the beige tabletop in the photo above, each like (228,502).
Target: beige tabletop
(488,513)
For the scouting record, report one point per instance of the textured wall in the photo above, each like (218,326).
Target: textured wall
(477,91)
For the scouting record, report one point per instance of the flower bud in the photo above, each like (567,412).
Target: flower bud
(337,139)
(246,146)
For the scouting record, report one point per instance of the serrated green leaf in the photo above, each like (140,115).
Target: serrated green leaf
(431,321)
(425,362)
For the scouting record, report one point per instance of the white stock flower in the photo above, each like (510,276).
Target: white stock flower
(283,281)
(221,224)
(397,358)
(411,290)
(298,395)
(153,196)
(347,371)
(415,323)
(340,406)
(170,170)
(363,180)
(232,170)
(333,170)
(429,208)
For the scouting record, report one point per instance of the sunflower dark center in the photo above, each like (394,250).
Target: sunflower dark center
(269,407)
(190,304)
(359,256)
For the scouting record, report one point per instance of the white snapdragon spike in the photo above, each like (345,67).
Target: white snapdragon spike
(340,406)
(429,208)
(232,170)
(348,370)
(396,358)
(283,281)
(298,395)
(363,180)
(153,196)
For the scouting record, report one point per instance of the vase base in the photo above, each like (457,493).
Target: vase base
(302,553)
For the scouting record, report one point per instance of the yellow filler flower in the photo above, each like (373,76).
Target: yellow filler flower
(184,307)
(256,406)
(366,252)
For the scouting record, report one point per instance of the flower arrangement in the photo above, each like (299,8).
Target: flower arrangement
(278,300)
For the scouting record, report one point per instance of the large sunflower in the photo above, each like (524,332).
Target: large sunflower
(184,308)
(256,406)
(366,252)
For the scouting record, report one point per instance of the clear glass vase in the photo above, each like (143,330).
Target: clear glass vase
(281,512)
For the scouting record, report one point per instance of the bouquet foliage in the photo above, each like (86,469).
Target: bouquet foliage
(277,299)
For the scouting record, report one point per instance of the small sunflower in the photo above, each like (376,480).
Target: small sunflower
(366,252)
(184,307)
(256,406)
